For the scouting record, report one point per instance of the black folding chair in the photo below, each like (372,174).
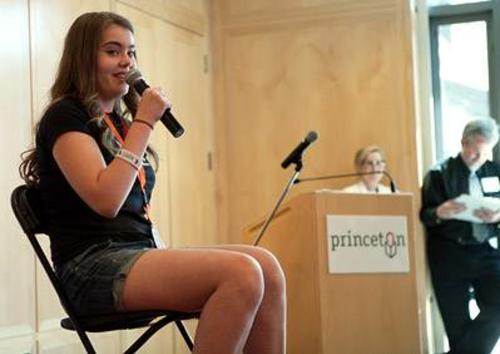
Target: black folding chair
(26,205)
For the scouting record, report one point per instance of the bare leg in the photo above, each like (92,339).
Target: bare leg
(268,331)
(227,286)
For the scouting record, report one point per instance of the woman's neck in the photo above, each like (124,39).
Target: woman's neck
(371,186)
(107,106)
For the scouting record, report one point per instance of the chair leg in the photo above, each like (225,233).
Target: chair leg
(185,334)
(147,334)
(85,341)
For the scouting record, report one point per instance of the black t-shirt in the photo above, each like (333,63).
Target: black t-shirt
(71,224)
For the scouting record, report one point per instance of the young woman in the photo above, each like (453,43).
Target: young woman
(93,168)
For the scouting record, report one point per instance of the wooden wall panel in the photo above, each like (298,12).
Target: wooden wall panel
(262,8)
(192,186)
(190,15)
(50,21)
(345,74)
(17,298)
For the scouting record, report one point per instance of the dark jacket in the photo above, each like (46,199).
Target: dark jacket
(448,180)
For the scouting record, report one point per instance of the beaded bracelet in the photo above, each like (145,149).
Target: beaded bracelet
(129,157)
(144,122)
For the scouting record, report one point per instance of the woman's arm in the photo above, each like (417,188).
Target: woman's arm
(102,187)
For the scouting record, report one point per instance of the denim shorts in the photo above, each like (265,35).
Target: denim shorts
(94,279)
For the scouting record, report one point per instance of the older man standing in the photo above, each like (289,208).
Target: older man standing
(460,257)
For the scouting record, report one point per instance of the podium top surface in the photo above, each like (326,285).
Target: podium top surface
(349,203)
(338,191)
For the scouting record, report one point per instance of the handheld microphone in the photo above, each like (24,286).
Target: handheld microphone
(296,154)
(392,184)
(136,80)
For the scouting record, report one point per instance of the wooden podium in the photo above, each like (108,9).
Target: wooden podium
(372,313)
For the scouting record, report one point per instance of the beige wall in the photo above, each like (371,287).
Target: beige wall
(172,40)
(17,298)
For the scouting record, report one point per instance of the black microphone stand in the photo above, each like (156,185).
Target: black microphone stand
(291,182)
(391,181)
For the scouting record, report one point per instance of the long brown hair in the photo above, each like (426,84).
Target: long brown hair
(76,77)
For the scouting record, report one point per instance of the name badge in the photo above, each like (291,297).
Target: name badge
(490,184)
(157,239)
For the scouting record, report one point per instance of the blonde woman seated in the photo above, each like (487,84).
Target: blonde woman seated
(369,159)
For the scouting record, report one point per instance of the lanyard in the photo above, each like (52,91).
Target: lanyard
(141,173)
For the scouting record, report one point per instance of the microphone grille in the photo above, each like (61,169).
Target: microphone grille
(311,136)
(132,76)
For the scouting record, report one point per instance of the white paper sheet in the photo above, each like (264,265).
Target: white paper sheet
(473,203)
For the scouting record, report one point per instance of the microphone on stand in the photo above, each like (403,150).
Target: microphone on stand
(392,184)
(294,157)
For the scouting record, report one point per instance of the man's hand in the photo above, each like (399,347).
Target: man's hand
(487,215)
(449,208)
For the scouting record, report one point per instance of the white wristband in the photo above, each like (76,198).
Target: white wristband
(127,156)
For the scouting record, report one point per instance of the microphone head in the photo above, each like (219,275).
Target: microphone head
(311,136)
(132,76)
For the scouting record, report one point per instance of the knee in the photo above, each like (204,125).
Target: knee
(274,276)
(246,280)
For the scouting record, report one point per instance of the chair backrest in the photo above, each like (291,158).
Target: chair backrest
(26,204)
